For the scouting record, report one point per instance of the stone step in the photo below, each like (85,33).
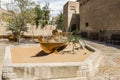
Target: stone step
(74,78)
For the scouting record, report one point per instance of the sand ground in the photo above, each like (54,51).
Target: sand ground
(34,54)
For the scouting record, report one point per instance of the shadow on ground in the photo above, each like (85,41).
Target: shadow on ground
(40,54)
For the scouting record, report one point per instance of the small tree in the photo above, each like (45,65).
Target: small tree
(42,16)
(19,9)
(74,38)
(17,26)
(60,21)
(0,3)
(38,15)
(46,15)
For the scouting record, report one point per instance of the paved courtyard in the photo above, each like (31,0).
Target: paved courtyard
(2,49)
(110,66)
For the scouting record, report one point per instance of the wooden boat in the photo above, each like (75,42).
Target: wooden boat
(50,47)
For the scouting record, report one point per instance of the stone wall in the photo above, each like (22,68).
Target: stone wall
(51,71)
(44,72)
(99,15)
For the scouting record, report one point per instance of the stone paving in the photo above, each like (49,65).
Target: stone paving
(2,49)
(110,66)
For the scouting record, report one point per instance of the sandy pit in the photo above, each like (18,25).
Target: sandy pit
(34,54)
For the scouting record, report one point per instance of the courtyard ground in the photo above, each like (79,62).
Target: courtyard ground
(2,51)
(109,68)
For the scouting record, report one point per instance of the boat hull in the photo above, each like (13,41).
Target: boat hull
(50,47)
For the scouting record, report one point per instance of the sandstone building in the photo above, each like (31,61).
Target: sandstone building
(71,15)
(99,17)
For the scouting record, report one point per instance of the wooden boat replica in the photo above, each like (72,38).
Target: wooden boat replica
(51,45)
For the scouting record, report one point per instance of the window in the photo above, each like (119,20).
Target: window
(86,24)
(87,0)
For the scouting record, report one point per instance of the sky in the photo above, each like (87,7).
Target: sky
(56,6)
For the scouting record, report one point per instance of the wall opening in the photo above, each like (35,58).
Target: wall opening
(73,28)
(86,24)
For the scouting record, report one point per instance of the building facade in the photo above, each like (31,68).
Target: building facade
(71,15)
(99,17)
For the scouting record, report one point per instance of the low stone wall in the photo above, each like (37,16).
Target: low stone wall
(51,71)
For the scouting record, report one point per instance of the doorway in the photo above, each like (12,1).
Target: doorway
(73,28)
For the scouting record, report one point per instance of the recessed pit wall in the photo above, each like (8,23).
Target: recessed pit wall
(51,71)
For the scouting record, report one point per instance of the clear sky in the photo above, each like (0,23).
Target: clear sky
(56,6)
